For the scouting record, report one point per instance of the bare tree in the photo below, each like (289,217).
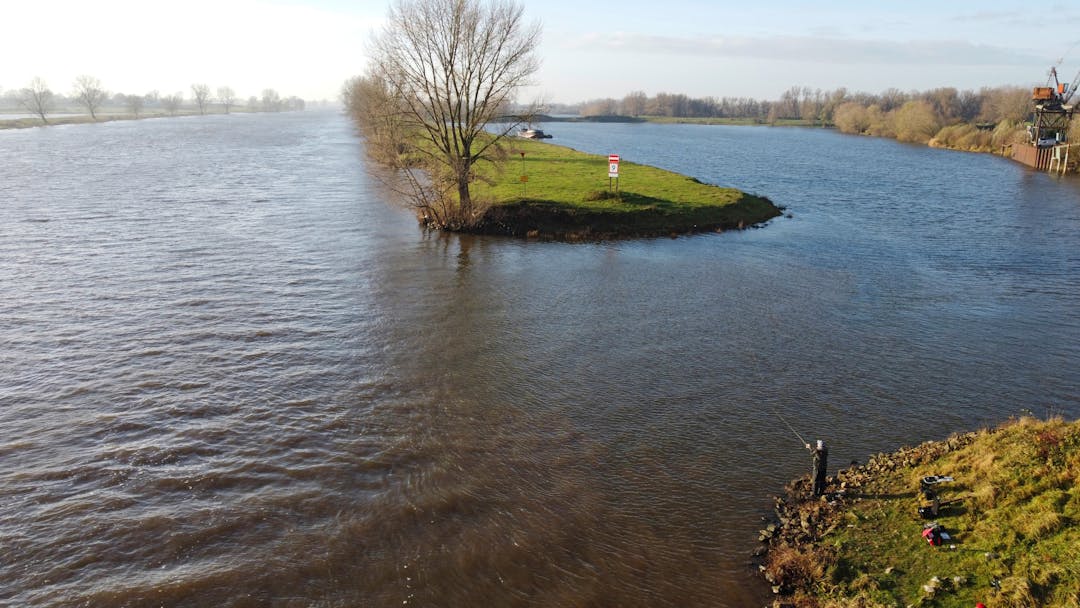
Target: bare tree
(271,101)
(633,104)
(1010,104)
(227,97)
(37,98)
(134,104)
(599,107)
(449,69)
(381,118)
(201,94)
(173,102)
(89,94)
(294,104)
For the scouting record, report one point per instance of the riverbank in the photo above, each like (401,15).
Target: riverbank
(567,195)
(26,122)
(1011,513)
(684,120)
(960,137)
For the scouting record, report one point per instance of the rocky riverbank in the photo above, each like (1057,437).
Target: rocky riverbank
(1008,509)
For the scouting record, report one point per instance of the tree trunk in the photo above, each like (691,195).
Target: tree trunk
(464,196)
(464,200)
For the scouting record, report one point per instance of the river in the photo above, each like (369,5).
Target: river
(234,372)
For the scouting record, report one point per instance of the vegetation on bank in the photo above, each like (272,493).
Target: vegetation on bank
(815,106)
(439,74)
(1012,512)
(671,120)
(567,196)
(977,121)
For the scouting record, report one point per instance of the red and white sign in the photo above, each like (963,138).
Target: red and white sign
(613,165)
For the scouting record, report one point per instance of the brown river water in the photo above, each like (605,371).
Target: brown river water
(233,372)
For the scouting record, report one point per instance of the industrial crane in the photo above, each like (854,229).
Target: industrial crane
(1059,94)
(1050,121)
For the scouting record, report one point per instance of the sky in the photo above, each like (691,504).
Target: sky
(589,49)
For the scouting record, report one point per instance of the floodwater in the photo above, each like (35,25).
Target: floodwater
(234,372)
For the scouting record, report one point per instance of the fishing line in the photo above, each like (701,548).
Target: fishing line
(801,440)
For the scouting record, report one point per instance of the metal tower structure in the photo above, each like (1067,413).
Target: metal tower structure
(1050,121)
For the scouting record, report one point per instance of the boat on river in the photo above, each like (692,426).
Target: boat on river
(533,134)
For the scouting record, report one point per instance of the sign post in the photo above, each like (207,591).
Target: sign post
(613,171)
(524,177)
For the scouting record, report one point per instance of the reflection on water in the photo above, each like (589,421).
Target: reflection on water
(232,373)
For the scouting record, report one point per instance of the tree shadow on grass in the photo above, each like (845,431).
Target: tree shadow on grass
(640,200)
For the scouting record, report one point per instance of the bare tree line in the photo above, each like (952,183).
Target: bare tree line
(968,119)
(88,94)
(816,105)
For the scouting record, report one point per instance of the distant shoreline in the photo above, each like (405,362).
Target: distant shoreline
(30,121)
(618,118)
(934,142)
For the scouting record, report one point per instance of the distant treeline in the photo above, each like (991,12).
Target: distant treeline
(88,95)
(972,120)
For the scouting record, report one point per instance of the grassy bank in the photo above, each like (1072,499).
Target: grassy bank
(567,197)
(1012,512)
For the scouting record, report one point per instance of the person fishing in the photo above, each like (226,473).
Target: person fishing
(821,458)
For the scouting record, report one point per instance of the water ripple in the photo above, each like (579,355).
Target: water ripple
(234,372)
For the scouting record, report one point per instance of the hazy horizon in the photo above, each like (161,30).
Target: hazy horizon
(720,49)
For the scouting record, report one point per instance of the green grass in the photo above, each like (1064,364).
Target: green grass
(568,191)
(1017,543)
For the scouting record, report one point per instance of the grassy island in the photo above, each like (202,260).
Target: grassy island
(1011,511)
(567,197)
